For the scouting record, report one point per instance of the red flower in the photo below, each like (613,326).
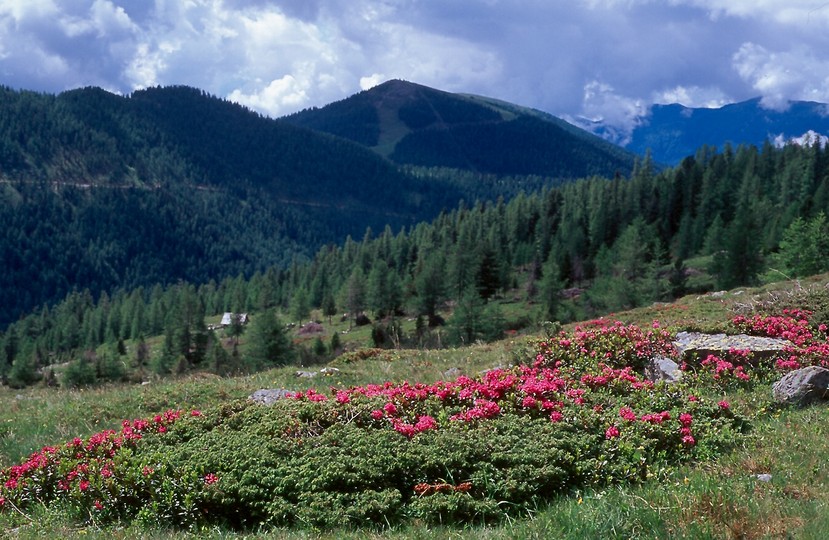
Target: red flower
(724,404)
(210,479)
(611,433)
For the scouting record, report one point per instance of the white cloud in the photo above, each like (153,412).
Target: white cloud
(783,76)
(371,81)
(693,96)
(616,114)
(807,139)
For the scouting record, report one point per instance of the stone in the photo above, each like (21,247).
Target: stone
(663,369)
(329,371)
(452,373)
(306,374)
(268,396)
(802,386)
(764,477)
(698,345)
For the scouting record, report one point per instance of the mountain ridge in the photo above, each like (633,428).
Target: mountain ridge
(416,125)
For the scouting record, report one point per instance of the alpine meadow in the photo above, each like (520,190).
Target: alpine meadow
(409,313)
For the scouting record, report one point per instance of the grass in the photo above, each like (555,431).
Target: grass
(720,498)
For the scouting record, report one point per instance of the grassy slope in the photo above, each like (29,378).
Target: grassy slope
(721,499)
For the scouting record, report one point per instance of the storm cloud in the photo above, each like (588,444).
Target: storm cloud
(598,60)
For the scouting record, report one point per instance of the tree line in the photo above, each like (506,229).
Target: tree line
(618,243)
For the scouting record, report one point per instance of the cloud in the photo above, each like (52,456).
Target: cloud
(597,59)
(692,96)
(783,76)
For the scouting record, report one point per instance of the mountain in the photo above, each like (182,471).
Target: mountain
(673,132)
(416,125)
(101,191)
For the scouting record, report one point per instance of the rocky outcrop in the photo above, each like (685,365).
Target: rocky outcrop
(268,396)
(802,386)
(663,369)
(698,345)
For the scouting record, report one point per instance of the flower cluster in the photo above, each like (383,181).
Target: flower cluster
(612,342)
(88,470)
(809,345)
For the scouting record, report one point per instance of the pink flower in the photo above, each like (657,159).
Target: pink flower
(377,414)
(147,470)
(627,414)
(611,433)
(195,413)
(556,416)
(210,479)
(688,440)
(98,505)
(724,404)
(390,408)
(685,419)
(425,423)
(84,485)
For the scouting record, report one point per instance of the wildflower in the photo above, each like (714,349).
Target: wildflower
(688,440)
(210,479)
(377,414)
(425,423)
(724,404)
(98,505)
(611,433)
(390,408)
(556,416)
(685,419)
(84,485)
(195,413)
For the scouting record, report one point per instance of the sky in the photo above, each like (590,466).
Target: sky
(602,61)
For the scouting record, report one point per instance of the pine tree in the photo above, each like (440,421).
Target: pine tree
(268,344)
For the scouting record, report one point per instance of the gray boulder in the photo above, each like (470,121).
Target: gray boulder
(802,386)
(663,369)
(698,345)
(267,396)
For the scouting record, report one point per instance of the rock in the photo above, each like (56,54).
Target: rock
(268,396)
(663,369)
(802,386)
(452,373)
(306,374)
(765,477)
(699,345)
(329,371)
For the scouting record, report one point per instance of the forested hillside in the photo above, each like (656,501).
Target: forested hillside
(103,192)
(616,243)
(420,126)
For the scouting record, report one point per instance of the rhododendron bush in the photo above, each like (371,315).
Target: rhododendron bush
(579,413)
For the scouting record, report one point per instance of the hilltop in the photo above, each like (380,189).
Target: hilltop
(412,124)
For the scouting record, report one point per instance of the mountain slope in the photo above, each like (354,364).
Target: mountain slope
(673,132)
(101,191)
(417,125)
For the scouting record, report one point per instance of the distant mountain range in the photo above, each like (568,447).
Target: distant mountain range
(673,132)
(416,125)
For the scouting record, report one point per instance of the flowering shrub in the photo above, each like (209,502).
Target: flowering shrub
(97,476)
(809,346)
(463,449)
(611,342)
